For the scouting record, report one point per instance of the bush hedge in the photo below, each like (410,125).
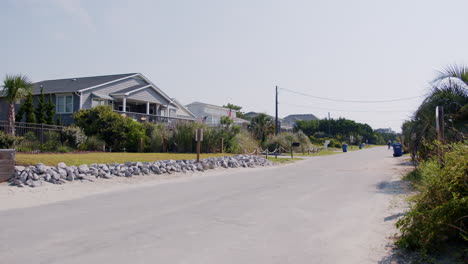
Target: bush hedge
(439,211)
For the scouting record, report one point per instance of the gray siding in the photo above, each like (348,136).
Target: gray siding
(3,109)
(110,88)
(66,118)
(150,95)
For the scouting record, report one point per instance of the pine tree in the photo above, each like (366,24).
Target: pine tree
(29,109)
(58,122)
(19,114)
(40,109)
(50,111)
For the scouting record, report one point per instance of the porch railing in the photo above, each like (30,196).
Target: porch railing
(141,117)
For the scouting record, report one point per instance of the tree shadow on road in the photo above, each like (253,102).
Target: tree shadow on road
(392,187)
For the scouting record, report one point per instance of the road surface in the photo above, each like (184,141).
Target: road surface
(330,209)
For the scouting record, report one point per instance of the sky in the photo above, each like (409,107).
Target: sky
(236,52)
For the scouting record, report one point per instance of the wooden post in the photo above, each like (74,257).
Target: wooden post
(198,150)
(292,156)
(222,145)
(140,145)
(199,139)
(266,153)
(7,164)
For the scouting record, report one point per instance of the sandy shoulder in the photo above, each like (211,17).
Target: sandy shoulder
(12,197)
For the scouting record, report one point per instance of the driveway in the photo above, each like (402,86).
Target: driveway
(329,209)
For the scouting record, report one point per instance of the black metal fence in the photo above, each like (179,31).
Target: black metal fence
(36,137)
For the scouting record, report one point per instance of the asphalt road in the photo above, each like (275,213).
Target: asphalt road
(329,209)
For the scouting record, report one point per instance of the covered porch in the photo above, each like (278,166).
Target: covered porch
(142,111)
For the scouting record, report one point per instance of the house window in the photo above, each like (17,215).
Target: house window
(64,104)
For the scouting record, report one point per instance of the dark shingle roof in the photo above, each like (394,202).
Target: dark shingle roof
(305,117)
(74,84)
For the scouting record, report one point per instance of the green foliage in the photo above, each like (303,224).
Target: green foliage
(226,121)
(93,143)
(8,141)
(439,211)
(261,127)
(285,140)
(334,143)
(50,111)
(453,97)
(19,114)
(119,132)
(40,109)
(17,87)
(73,136)
(52,142)
(340,129)
(28,107)
(58,122)
(239,114)
(244,143)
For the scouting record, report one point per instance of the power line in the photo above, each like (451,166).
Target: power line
(352,101)
(343,110)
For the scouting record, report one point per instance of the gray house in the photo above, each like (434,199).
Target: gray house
(130,94)
(290,120)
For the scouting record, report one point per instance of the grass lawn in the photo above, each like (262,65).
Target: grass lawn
(320,153)
(282,160)
(103,157)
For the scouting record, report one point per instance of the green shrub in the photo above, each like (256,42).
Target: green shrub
(119,132)
(245,143)
(93,143)
(9,141)
(184,137)
(439,211)
(63,149)
(74,136)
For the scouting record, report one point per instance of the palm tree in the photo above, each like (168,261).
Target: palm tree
(453,72)
(15,87)
(453,97)
(262,126)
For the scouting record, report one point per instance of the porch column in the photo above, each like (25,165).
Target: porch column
(157,109)
(147,108)
(124,104)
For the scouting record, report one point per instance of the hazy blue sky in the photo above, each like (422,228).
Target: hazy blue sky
(237,51)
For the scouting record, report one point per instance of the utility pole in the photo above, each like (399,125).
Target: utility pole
(276,115)
(329,131)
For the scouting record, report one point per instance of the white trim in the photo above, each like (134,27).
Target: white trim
(130,92)
(102,84)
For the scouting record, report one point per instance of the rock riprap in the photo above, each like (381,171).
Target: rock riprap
(39,175)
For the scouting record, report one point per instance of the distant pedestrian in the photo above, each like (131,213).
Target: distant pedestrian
(389,144)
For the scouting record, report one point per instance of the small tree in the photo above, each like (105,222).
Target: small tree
(226,121)
(29,109)
(58,122)
(50,111)
(15,88)
(239,114)
(40,109)
(19,115)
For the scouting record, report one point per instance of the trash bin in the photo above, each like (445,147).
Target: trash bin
(360,146)
(345,148)
(397,150)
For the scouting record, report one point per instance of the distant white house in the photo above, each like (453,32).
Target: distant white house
(211,114)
